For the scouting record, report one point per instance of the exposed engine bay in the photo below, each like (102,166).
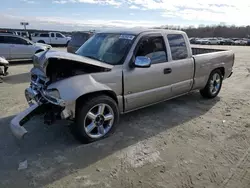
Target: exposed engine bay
(59,69)
(56,69)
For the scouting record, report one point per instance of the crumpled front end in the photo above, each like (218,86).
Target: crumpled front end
(41,101)
(58,79)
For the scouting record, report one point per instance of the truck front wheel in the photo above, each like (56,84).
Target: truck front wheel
(213,85)
(96,118)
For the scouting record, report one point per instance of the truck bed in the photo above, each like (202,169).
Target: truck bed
(206,60)
(197,51)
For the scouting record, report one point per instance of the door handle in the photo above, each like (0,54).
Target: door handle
(167,71)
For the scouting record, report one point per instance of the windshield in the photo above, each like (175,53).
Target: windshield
(106,47)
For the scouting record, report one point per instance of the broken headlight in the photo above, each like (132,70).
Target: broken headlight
(52,93)
(53,96)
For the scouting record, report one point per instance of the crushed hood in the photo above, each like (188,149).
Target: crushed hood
(41,59)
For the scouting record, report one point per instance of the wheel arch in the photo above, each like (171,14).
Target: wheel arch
(221,69)
(86,96)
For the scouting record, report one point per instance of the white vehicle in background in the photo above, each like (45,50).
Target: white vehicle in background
(212,41)
(241,42)
(53,38)
(22,33)
(200,41)
(13,47)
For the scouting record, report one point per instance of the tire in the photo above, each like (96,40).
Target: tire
(41,41)
(214,81)
(88,117)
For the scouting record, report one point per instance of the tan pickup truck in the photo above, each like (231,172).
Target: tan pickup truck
(117,72)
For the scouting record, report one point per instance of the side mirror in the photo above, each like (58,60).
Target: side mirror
(142,62)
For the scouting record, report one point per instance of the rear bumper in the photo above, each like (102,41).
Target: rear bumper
(16,123)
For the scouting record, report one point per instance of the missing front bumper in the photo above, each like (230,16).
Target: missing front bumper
(39,105)
(16,123)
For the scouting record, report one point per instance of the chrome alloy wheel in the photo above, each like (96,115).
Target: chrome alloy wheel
(215,83)
(98,121)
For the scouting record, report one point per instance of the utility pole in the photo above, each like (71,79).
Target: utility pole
(24,24)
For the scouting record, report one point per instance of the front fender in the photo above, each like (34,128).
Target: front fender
(72,88)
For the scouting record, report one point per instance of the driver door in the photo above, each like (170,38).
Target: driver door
(59,39)
(145,86)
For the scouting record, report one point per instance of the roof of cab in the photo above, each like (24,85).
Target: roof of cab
(136,31)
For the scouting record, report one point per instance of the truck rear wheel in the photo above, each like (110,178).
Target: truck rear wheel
(96,118)
(213,85)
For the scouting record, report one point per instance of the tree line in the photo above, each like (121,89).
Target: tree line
(215,31)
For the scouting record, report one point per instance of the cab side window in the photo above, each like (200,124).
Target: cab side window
(177,46)
(58,35)
(52,35)
(44,35)
(152,47)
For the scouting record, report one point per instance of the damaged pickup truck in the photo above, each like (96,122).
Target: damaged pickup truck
(117,72)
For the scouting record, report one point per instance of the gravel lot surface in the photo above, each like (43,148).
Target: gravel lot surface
(187,142)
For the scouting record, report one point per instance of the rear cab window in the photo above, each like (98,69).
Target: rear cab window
(152,47)
(78,39)
(178,46)
(44,35)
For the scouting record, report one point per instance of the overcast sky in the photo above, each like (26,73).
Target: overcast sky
(79,14)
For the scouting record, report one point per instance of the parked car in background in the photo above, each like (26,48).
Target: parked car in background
(200,41)
(241,42)
(234,39)
(8,32)
(248,42)
(117,72)
(15,47)
(77,40)
(23,33)
(52,38)
(212,41)
(192,40)
(227,42)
